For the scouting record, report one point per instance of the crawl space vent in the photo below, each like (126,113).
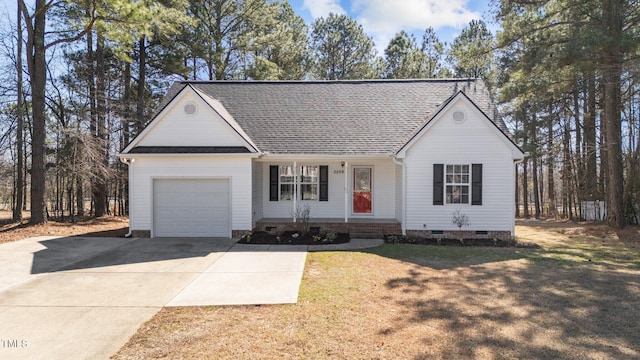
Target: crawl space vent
(458,116)
(190,108)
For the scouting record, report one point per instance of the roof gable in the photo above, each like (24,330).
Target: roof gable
(461,102)
(355,117)
(191,119)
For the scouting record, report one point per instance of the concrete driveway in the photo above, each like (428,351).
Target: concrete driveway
(82,298)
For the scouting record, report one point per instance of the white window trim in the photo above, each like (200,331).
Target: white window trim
(447,184)
(297,184)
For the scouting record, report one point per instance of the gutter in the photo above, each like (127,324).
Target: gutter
(129,162)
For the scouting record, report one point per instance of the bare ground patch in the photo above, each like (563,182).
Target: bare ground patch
(106,226)
(428,302)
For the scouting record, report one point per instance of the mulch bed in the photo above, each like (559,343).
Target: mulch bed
(293,238)
(399,239)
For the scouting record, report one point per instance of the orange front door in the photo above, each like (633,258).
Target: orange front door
(362,190)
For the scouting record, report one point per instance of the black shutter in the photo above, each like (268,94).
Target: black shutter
(438,184)
(324,183)
(476,184)
(273,182)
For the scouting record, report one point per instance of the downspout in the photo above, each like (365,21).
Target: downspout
(129,163)
(404,194)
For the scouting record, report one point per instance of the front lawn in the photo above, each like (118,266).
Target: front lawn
(575,298)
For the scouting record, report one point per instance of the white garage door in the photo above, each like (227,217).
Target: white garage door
(191,207)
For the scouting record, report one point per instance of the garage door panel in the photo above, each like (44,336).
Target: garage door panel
(191,207)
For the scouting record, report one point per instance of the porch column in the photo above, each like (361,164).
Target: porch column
(346,191)
(295,190)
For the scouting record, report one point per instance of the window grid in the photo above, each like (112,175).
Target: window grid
(457,184)
(309,182)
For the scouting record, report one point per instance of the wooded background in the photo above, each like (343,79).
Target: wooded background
(78,80)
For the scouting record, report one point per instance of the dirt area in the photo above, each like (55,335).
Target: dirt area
(574,298)
(106,226)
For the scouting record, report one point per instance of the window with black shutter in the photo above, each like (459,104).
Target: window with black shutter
(324,183)
(476,184)
(438,183)
(273,182)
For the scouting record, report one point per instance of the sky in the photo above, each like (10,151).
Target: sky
(382,19)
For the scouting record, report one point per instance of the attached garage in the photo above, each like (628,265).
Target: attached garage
(191,208)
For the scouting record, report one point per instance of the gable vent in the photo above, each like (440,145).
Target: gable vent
(458,116)
(190,108)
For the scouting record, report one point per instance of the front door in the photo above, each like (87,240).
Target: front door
(362,199)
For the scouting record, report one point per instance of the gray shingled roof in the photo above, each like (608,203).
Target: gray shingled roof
(366,117)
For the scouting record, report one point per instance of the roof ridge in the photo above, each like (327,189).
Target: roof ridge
(346,81)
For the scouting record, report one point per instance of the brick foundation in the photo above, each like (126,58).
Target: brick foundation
(372,229)
(455,234)
(239,233)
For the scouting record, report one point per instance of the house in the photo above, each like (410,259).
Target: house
(221,158)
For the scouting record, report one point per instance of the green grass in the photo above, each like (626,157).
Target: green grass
(403,301)
(453,255)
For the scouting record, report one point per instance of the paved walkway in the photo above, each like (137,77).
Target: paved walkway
(83,298)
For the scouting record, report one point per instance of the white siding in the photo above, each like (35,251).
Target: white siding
(399,184)
(384,190)
(258,176)
(470,142)
(205,128)
(235,168)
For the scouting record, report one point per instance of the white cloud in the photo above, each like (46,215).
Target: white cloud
(382,19)
(322,8)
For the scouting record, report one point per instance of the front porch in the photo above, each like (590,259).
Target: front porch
(357,227)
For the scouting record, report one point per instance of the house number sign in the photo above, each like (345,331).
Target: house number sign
(338,171)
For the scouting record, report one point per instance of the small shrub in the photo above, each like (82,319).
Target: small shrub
(316,238)
(331,237)
(302,215)
(460,219)
(393,239)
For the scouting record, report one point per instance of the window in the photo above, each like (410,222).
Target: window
(287,182)
(308,179)
(457,184)
(309,183)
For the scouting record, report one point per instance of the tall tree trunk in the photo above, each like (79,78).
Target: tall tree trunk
(536,187)
(590,141)
(38,71)
(612,63)
(525,178)
(100,182)
(603,176)
(142,71)
(79,196)
(17,208)
(579,167)
(534,164)
(566,171)
(126,133)
(553,209)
